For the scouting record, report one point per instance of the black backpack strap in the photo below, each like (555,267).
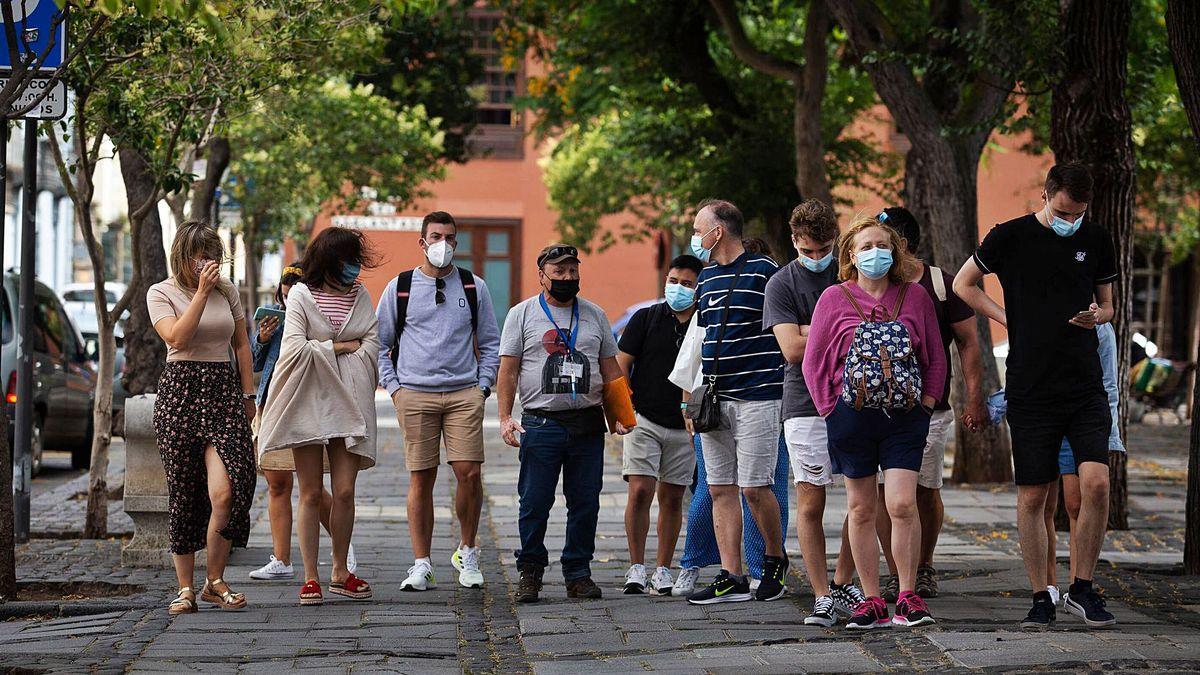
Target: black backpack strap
(403,290)
(472,293)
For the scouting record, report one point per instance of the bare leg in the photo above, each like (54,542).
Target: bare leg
(343,472)
(906,527)
(326,507)
(637,516)
(670,519)
(810,530)
(765,509)
(1093,518)
(468,499)
(1073,499)
(861,496)
(1051,536)
(279,510)
(310,475)
(727,522)
(420,510)
(185,570)
(932,513)
(220,494)
(1031,527)
(883,527)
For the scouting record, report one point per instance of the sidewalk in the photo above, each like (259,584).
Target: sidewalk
(458,630)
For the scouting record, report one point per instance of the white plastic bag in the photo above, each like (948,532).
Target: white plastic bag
(687,374)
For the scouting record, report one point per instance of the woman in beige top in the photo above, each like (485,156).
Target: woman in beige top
(321,403)
(202,414)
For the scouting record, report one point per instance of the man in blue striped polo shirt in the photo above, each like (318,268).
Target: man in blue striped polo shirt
(749,367)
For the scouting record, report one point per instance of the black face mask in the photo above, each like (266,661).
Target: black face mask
(564,290)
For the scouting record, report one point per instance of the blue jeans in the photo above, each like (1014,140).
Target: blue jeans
(700,543)
(547,450)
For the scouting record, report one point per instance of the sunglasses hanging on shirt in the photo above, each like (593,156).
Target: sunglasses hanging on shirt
(440,296)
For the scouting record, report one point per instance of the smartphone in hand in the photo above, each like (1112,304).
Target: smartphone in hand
(263,312)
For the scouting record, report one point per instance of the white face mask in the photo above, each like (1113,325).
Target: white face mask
(439,254)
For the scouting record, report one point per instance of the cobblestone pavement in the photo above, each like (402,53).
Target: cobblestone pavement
(455,630)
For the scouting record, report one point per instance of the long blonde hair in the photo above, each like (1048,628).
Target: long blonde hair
(904,265)
(194,239)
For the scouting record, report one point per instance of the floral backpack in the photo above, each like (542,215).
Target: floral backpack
(881,368)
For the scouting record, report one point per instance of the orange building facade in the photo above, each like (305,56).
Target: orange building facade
(500,202)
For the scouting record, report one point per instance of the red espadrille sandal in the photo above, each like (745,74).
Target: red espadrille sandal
(310,593)
(352,587)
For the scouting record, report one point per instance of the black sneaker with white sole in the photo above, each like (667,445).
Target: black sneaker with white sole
(1042,614)
(1089,606)
(774,577)
(846,598)
(823,614)
(725,588)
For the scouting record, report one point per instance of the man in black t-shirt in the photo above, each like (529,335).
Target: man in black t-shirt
(658,452)
(1057,270)
(956,320)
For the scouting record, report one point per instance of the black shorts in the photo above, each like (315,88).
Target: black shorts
(1038,430)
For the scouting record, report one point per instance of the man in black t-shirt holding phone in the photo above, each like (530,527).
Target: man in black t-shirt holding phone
(1057,269)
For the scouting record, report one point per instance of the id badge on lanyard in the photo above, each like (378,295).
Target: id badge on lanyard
(570,369)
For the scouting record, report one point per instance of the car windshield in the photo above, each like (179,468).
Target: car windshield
(82,295)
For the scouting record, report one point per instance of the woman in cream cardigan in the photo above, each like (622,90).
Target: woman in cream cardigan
(320,409)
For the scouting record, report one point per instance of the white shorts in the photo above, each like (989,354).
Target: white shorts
(745,451)
(661,453)
(808,447)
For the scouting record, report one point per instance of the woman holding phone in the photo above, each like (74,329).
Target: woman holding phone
(320,406)
(202,414)
(279,482)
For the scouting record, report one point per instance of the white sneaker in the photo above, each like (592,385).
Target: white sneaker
(685,583)
(662,583)
(273,570)
(1054,595)
(351,561)
(754,583)
(420,577)
(466,561)
(635,580)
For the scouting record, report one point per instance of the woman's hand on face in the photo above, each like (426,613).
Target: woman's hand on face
(267,328)
(210,274)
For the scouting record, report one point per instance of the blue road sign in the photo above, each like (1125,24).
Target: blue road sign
(35,26)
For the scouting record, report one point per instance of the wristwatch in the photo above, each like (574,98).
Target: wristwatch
(249,396)
(487,392)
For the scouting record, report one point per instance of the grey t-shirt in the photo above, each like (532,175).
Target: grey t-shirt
(792,295)
(548,373)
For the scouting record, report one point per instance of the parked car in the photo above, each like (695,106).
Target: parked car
(79,301)
(64,378)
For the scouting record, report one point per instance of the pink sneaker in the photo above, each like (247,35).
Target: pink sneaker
(870,614)
(911,611)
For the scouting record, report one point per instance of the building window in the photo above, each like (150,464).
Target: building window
(499,133)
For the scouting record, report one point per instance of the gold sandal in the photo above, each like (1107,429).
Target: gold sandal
(184,603)
(225,600)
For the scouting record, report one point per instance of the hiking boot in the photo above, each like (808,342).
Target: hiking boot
(530,584)
(927,586)
(891,589)
(1042,614)
(845,598)
(1089,606)
(725,588)
(583,587)
(870,614)
(911,611)
(772,587)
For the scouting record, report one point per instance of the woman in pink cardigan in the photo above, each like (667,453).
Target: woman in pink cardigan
(875,367)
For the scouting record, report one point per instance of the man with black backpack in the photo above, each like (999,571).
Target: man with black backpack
(956,320)
(440,350)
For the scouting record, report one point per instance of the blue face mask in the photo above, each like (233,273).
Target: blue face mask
(698,249)
(679,297)
(350,272)
(816,265)
(1063,227)
(873,263)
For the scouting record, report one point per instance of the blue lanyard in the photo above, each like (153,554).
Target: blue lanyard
(568,336)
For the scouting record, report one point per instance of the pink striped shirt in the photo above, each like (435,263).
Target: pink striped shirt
(336,306)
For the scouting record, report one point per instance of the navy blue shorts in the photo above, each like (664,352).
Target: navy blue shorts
(861,442)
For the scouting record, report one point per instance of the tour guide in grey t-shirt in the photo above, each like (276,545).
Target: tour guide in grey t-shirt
(557,352)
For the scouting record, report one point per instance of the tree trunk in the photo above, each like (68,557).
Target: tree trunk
(145,352)
(95,525)
(253,266)
(8,560)
(812,176)
(940,188)
(1183,35)
(1091,124)
(1162,329)
(204,191)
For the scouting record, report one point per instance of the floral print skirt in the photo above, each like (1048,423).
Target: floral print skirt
(200,404)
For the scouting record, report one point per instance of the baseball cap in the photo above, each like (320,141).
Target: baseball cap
(556,253)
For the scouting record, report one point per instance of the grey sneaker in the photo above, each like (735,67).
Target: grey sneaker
(846,598)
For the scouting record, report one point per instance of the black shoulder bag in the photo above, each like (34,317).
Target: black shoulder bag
(704,408)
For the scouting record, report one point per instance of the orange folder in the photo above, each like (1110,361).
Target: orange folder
(618,404)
